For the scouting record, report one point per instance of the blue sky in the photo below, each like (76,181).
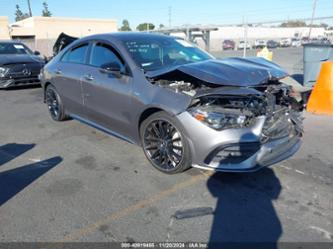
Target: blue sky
(182,11)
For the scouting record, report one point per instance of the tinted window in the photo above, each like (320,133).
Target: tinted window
(14,48)
(103,55)
(154,53)
(76,55)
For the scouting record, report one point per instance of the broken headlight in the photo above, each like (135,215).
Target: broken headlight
(3,71)
(219,118)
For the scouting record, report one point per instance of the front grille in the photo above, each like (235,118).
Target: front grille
(25,81)
(233,153)
(23,70)
(22,74)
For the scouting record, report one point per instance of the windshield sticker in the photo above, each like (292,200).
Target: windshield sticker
(185,43)
(18,46)
(146,64)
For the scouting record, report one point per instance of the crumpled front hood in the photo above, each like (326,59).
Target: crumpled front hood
(227,72)
(19,58)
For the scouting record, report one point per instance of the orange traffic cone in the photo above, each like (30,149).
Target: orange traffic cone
(321,98)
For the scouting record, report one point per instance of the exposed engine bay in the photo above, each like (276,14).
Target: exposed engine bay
(274,93)
(178,86)
(234,93)
(273,100)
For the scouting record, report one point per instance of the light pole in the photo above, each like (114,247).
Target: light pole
(29,6)
(245,36)
(170,13)
(313,15)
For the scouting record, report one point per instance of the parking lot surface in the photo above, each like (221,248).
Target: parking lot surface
(69,182)
(291,59)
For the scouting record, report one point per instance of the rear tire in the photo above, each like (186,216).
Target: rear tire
(164,143)
(54,104)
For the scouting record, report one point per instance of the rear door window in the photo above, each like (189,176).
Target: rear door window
(76,55)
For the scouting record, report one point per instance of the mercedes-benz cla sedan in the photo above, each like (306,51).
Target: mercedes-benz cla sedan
(18,65)
(183,107)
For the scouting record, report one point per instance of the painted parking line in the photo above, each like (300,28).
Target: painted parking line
(133,208)
(295,170)
(299,172)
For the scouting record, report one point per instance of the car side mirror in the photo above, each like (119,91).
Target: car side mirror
(36,53)
(111,68)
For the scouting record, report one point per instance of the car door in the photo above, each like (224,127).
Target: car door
(68,73)
(107,93)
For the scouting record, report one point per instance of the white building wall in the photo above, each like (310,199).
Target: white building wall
(253,33)
(4,31)
(237,33)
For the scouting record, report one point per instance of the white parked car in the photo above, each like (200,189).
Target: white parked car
(296,42)
(241,45)
(285,42)
(260,43)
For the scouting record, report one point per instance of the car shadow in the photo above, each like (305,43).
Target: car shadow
(22,87)
(244,216)
(10,151)
(15,180)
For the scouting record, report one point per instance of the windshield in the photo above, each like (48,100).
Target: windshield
(14,48)
(154,53)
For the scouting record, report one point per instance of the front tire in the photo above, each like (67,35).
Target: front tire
(164,143)
(54,104)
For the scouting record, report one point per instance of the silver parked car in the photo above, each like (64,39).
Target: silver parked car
(183,107)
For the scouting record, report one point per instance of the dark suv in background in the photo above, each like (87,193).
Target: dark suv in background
(18,65)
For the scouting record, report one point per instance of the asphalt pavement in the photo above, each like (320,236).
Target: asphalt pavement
(69,182)
(291,59)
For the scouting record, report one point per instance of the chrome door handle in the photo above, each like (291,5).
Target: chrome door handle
(58,71)
(89,77)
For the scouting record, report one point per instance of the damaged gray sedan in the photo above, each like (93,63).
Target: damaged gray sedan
(183,107)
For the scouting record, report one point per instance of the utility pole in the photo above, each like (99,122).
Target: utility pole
(169,13)
(29,6)
(245,36)
(313,15)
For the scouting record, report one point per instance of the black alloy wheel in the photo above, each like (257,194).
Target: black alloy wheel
(165,146)
(54,104)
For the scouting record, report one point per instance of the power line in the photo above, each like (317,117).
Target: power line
(279,21)
(257,11)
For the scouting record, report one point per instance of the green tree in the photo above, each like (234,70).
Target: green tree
(45,11)
(125,26)
(321,25)
(145,26)
(290,24)
(19,15)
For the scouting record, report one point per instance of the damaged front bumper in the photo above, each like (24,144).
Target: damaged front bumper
(239,150)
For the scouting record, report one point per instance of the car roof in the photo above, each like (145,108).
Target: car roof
(128,35)
(10,41)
